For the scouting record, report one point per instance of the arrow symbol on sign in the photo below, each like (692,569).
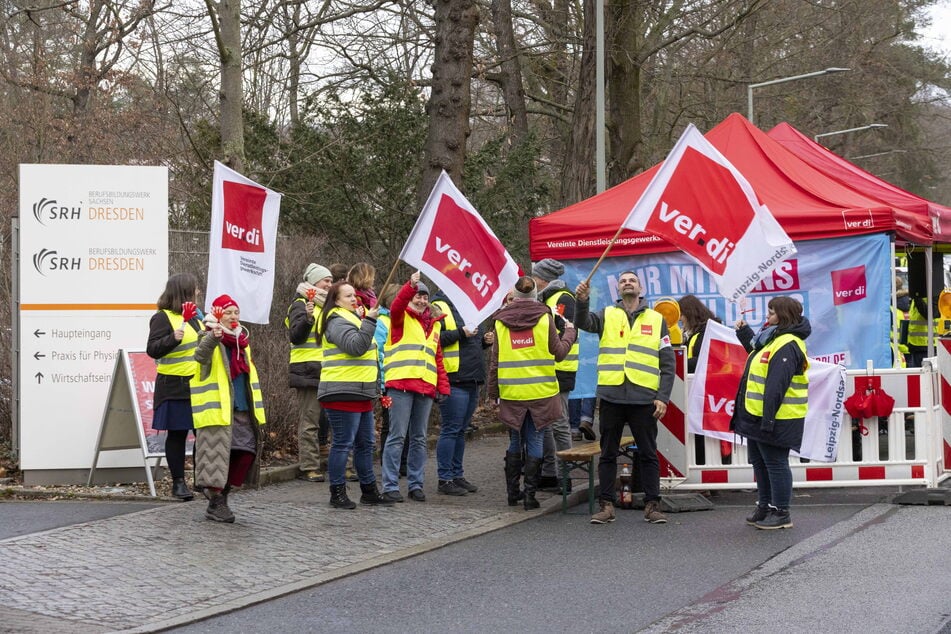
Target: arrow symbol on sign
(38,332)
(39,377)
(38,355)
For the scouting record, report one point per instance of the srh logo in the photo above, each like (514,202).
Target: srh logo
(707,227)
(243,211)
(848,285)
(46,260)
(861,219)
(46,209)
(521,339)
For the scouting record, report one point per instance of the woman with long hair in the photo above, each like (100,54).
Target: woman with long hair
(771,405)
(348,387)
(173,336)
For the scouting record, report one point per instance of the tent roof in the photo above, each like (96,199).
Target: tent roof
(807,203)
(840,169)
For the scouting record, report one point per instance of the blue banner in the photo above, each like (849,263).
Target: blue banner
(844,285)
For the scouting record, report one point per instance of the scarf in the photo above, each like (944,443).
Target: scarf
(238,359)
(763,337)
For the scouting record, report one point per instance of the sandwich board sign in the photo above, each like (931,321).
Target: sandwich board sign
(127,418)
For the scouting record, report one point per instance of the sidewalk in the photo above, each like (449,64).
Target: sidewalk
(168,566)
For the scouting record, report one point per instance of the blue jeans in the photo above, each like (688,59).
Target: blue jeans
(409,416)
(351,431)
(773,475)
(532,439)
(580,409)
(456,412)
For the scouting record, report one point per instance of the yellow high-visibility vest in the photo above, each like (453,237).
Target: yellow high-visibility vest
(630,351)
(414,356)
(212,401)
(526,366)
(450,354)
(340,367)
(181,360)
(795,400)
(309,350)
(569,363)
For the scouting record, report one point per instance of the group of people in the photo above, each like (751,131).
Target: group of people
(351,348)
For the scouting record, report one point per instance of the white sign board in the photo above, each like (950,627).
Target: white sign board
(93,261)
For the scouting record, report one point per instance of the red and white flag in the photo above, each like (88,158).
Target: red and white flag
(699,202)
(711,399)
(242,243)
(454,247)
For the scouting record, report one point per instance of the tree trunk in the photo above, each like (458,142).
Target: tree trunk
(623,70)
(450,99)
(578,180)
(231,94)
(512,91)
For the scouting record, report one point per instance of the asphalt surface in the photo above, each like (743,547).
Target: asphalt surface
(853,563)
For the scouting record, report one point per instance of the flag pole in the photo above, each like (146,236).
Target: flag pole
(587,280)
(390,276)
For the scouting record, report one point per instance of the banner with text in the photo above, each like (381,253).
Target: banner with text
(843,284)
(241,244)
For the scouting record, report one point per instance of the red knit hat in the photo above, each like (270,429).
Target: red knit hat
(224,302)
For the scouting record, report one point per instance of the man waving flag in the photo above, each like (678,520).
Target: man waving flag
(454,247)
(699,202)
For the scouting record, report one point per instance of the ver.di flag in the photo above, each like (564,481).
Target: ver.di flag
(711,399)
(455,248)
(700,203)
(241,243)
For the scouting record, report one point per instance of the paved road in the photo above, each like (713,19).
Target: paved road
(23,518)
(478,566)
(703,572)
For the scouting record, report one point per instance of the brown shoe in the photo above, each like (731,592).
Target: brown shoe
(587,430)
(311,476)
(652,513)
(605,515)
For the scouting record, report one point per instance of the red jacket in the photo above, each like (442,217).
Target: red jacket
(399,310)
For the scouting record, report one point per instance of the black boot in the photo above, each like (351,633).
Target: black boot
(218,510)
(339,499)
(532,468)
(777,518)
(513,475)
(371,495)
(181,490)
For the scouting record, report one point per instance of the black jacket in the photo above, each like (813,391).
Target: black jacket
(160,343)
(471,349)
(299,326)
(566,380)
(785,364)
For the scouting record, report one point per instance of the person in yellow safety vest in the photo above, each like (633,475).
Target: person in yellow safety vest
(636,366)
(770,408)
(415,378)
(172,342)
(522,381)
(464,360)
(228,408)
(918,331)
(553,292)
(304,369)
(349,384)
(899,350)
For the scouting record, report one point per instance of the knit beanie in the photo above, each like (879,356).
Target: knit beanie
(548,269)
(421,289)
(224,302)
(315,272)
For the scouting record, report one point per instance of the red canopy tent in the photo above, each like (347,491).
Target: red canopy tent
(807,203)
(847,173)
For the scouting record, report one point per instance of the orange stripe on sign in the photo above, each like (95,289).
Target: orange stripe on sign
(87,307)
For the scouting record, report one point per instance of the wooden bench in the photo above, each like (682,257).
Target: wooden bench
(584,457)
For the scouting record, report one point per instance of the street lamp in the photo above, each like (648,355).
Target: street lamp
(858,129)
(783,80)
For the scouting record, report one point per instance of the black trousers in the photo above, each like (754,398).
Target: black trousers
(643,425)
